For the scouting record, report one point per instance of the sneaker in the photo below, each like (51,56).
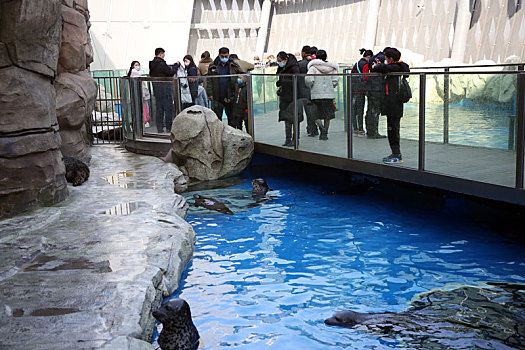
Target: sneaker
(359,132)
(393,159)
(146,125)
(323,137)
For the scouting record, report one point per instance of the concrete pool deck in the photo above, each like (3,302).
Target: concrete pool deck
(86,273)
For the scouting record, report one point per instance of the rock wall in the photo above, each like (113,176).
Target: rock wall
(46,98)
(75,89)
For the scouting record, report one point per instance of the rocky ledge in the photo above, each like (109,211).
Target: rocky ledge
(87,272)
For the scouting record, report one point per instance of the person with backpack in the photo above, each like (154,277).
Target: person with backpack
(374,96)
(359,89)
(395,96)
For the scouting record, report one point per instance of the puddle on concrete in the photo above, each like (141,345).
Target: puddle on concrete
(127,179)
(45,262)
(53,311)
(125,208)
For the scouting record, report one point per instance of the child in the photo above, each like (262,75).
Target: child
(202,97)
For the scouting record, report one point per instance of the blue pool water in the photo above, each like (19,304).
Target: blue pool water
(268,277)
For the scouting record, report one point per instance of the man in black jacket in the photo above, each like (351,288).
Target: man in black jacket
(163,91)
(303,93)
(221,90)
(392,106)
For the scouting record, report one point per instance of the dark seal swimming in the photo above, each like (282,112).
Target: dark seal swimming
(260,187)
(211,204)
(178,331)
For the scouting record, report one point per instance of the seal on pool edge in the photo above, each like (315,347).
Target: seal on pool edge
(260,187)
(178,331)
(211,204)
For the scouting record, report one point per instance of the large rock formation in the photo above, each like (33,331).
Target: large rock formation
(31,168)
(76,90)
(206,149)
(44,55)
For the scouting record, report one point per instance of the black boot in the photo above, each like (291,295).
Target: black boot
(324,133)
(288,143)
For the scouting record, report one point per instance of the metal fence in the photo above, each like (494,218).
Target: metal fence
(106,120)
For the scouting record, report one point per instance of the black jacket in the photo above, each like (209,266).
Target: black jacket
(286,82)
(303,90)
(391,105)
(159,68)
(212,83)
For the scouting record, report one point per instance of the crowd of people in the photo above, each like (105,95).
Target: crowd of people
(221,85)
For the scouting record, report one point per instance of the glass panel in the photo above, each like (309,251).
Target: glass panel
(267,128)
(477,139)
(329,113)
(125,101)
(367,96)
(160,106)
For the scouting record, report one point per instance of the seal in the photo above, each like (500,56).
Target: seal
(260,187)
(211,204)
(349,318)
(77,172)
(178,331)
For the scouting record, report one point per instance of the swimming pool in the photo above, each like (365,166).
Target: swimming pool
(269,276)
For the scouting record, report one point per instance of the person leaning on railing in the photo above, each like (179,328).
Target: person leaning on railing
(392,107)
(163,91)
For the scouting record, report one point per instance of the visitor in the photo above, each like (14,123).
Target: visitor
(374,95)
(202,97)
(359,89)
(204,63)
(220,87)
(163,91)
(245,66)
(134,72)
(240,105)
(322,90)
(304,93)
(258,63)
(313,52)
(287,65)
(272,62)
(188,85)
(392,107)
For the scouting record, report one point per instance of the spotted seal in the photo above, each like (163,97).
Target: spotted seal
(211,204)
(77,172)
(178,331)
(260,187)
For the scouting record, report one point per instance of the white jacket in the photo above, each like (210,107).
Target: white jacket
(322,87)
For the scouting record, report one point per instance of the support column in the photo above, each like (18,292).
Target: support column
(266,12)
(371,23)
(461,31)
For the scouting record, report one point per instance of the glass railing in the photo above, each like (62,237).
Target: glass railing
(460,124)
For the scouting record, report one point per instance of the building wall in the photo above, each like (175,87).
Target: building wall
(231,23)
(127,30)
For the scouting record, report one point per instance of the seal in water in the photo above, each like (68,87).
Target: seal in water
(490,317)
(260,187)
(178,330)
(211,204)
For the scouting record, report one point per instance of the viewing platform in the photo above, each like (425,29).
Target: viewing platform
(464,144)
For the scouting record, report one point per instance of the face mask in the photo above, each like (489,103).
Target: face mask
(281,64)
(239,81)
(137,68)
(224,59)
(186,63)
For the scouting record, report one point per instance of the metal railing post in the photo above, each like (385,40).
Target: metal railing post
(250,106)
(446,102)
(520,132)
(264,91)
(349,133)
(421,148)
(295,114)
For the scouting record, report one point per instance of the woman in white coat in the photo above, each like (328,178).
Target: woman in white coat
(322,90)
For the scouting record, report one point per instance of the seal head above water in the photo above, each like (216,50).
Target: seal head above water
(211,204)
(178,330)
(260,187)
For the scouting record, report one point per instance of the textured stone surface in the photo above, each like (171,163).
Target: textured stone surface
(27,101)
(74,276)
(75,103)
(206,149)
(32,32)
(74,41)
